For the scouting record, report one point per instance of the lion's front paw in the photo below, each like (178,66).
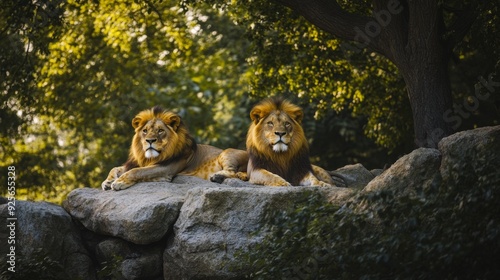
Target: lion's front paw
(220,176)
(242,176)
(277,182)
(121,184)
(324,184)
(217,178)
(106,185)
(281,184)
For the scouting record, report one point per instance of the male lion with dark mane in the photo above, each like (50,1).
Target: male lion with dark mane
(163,148)
(278,149)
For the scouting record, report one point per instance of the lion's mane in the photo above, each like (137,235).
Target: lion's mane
(180,144)
(291,165)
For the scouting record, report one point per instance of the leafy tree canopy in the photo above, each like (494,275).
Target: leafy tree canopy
(74,73)
(68,119)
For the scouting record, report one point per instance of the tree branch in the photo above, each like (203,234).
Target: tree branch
(329,16)
(462,24)
(155,9)
(385,32)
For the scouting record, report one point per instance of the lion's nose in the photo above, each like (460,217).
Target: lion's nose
(280,134)
(150,141)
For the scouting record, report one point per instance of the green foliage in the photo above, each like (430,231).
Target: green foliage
(291,55)
(74,73)
(108,61)
(445,231)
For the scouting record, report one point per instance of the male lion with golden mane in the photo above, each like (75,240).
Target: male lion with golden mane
(162,148)
(278,149)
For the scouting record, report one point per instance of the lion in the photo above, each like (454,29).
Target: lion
(163,148)
(278,149)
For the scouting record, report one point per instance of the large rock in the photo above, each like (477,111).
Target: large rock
(354,176)
(215,223)
(418,168)
(47,243)
(141,214)
(129,232)
(124,260)
(471,156)
(463,158)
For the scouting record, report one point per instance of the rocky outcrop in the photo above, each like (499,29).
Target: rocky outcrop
(44,231)
(214,223)
(120,259)
(142,214)
(418,168)
(471,156)
(462,158)
(192,229)
(354,176)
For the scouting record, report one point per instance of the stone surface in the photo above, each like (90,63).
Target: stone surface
(129,261)
(470,156)
(45,232)
(192,229)
(354,175)
(141,214)
(214,223)
(418,168)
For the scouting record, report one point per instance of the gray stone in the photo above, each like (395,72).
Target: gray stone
(354,175)
(141,214)
(418,168)
(45,238)
(215,223)
(212,222)
(376,171)
(471,156)
(124,260)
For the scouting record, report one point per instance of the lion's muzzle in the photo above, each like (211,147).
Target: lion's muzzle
(280,146)
(151,152)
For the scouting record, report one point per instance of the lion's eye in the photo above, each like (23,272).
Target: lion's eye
(161,131)
(288,125)
(145,131)
(270,124)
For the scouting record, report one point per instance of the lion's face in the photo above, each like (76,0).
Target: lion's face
(277,131)
(154,136)
(159,135)
(276,128)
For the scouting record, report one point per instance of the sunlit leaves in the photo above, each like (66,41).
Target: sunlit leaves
(73,74)
(293,57)
(108,61)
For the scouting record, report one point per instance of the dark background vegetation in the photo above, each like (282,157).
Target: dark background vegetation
(74,73)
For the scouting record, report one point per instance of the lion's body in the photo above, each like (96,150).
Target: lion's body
(277,147)
(162,148)
(209,160)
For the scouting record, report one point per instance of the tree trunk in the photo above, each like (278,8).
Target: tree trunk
(411,35)
(423,63)
(429,92)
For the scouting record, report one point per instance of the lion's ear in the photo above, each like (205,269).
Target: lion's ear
(174,121)
(297,115)
(136,122)
(256,115)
